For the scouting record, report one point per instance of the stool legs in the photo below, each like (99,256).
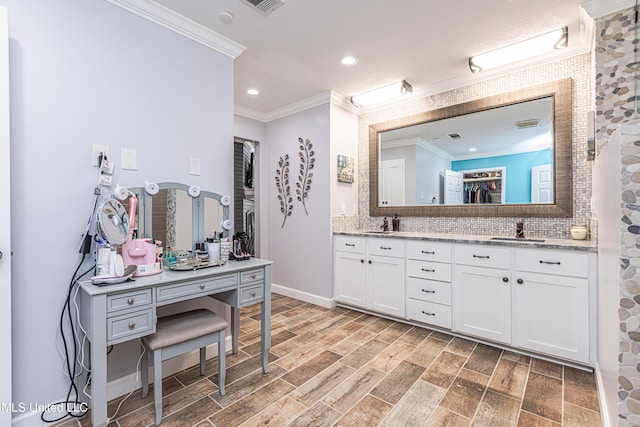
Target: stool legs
(157,384)
(222,372)
(203,360)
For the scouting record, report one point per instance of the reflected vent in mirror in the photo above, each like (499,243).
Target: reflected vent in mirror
(454,136)
(531,123)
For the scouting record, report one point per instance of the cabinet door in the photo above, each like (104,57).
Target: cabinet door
(552,315)
(482,302)
(350,278)
(385,280)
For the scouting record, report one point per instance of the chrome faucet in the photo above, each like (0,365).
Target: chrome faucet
(385,224)
(520,229)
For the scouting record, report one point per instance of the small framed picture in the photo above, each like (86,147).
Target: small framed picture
(345,169)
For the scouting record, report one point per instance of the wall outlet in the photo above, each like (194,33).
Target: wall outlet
(343,209)
(129,159)
(95,153)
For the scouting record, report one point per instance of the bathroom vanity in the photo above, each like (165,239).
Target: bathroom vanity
(532,295)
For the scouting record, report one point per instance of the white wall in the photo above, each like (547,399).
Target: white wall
(248,128)
(429,168)
(301,250)
(86,72)
(344,141)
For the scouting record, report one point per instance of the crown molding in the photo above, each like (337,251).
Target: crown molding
(179,24)
(418,143)
(599,8)
(250,113)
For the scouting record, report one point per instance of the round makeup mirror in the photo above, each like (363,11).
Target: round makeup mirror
(112,222)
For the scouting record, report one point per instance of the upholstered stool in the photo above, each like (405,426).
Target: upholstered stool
(179,334)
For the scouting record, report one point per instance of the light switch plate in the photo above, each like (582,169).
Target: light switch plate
(95,153)
(129,159)
(194,166)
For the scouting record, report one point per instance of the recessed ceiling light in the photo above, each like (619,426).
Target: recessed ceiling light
(253,92)
(349,60)
(473,149)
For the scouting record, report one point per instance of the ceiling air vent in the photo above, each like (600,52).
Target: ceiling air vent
(265,7)
(454,136)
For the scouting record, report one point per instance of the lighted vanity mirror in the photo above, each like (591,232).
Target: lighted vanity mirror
(505,155)
(177,219)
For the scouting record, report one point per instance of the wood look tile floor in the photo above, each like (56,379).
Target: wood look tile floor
(343,368)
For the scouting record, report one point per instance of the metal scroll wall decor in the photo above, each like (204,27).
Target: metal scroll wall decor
(307,160)
(303,185)
(284,190)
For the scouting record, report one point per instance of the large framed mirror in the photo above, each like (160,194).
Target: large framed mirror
(507,155)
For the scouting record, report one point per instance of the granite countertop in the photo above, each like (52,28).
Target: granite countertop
(534,242)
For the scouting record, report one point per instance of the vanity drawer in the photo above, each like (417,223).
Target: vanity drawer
(252,275)
(184,290)
(130,325)
(429,251)
(125,300)
(428,290)
(483,256)
(251,294)
(386,247)
(552,262)
(428,312)
(351,244)
(429,270)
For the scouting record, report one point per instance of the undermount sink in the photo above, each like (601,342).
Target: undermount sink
(518,239)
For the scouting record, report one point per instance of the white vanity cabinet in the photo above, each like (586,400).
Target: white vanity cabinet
(351,270)
(429,282)
(482,292)
(552,302)
(369,273)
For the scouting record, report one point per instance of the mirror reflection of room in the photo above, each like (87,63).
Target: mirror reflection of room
(244,191)
(498,156)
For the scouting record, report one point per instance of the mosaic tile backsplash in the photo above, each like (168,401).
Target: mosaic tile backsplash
(579,68)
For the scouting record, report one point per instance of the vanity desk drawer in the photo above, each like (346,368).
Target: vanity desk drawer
(251,276)
(126,300)
(185,290)
(427,312)
(483,256)
(429,251)
(128,326)
(251,294)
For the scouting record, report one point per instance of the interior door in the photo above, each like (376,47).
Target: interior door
(392,183)
(452,187)
(5,223)
(541,184)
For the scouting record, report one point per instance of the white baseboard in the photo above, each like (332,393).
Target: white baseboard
(303,296)
(604,409)
(123,385)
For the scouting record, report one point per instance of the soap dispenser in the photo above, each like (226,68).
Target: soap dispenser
(396,222)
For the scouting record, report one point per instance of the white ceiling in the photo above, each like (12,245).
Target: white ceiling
(294,54)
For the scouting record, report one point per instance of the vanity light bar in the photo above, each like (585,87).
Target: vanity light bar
(539,45)
(384,93)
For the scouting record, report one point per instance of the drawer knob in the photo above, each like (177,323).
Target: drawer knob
(362,261)
(550,262)
(130,301)
(201,285)
(132,325)
(428,252)
(253,276)
(520,281)
(481,256)
(429,292)
(253,294)
(505,279)
(370,262)
(428,270)
(428,314)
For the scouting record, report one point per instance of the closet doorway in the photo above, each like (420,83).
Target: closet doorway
(245,189)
